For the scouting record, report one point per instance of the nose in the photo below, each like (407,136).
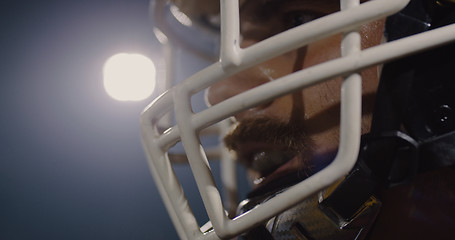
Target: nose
(263,73)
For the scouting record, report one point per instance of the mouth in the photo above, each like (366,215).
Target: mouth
(269,148)
(266,164)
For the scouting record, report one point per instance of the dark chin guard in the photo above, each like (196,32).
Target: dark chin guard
(330,214)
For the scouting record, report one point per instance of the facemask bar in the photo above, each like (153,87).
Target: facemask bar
(233,60)
(209,47)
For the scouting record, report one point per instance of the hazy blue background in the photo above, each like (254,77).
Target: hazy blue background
(71,161)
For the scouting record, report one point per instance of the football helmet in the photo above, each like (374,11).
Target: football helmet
(321,204)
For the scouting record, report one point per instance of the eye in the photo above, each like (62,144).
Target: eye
(297,18)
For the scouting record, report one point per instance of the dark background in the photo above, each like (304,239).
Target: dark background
(71,160)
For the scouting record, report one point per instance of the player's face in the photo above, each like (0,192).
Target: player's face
(298,131)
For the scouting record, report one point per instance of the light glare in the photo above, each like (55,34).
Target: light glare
(181,17)
(162,38)
(129,77)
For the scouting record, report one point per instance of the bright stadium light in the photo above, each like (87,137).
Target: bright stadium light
(129,77)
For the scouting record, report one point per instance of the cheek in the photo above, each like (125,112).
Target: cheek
(250,78)
(322,51)
(372,33)
(370,81)
(230,87)
(323,97)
